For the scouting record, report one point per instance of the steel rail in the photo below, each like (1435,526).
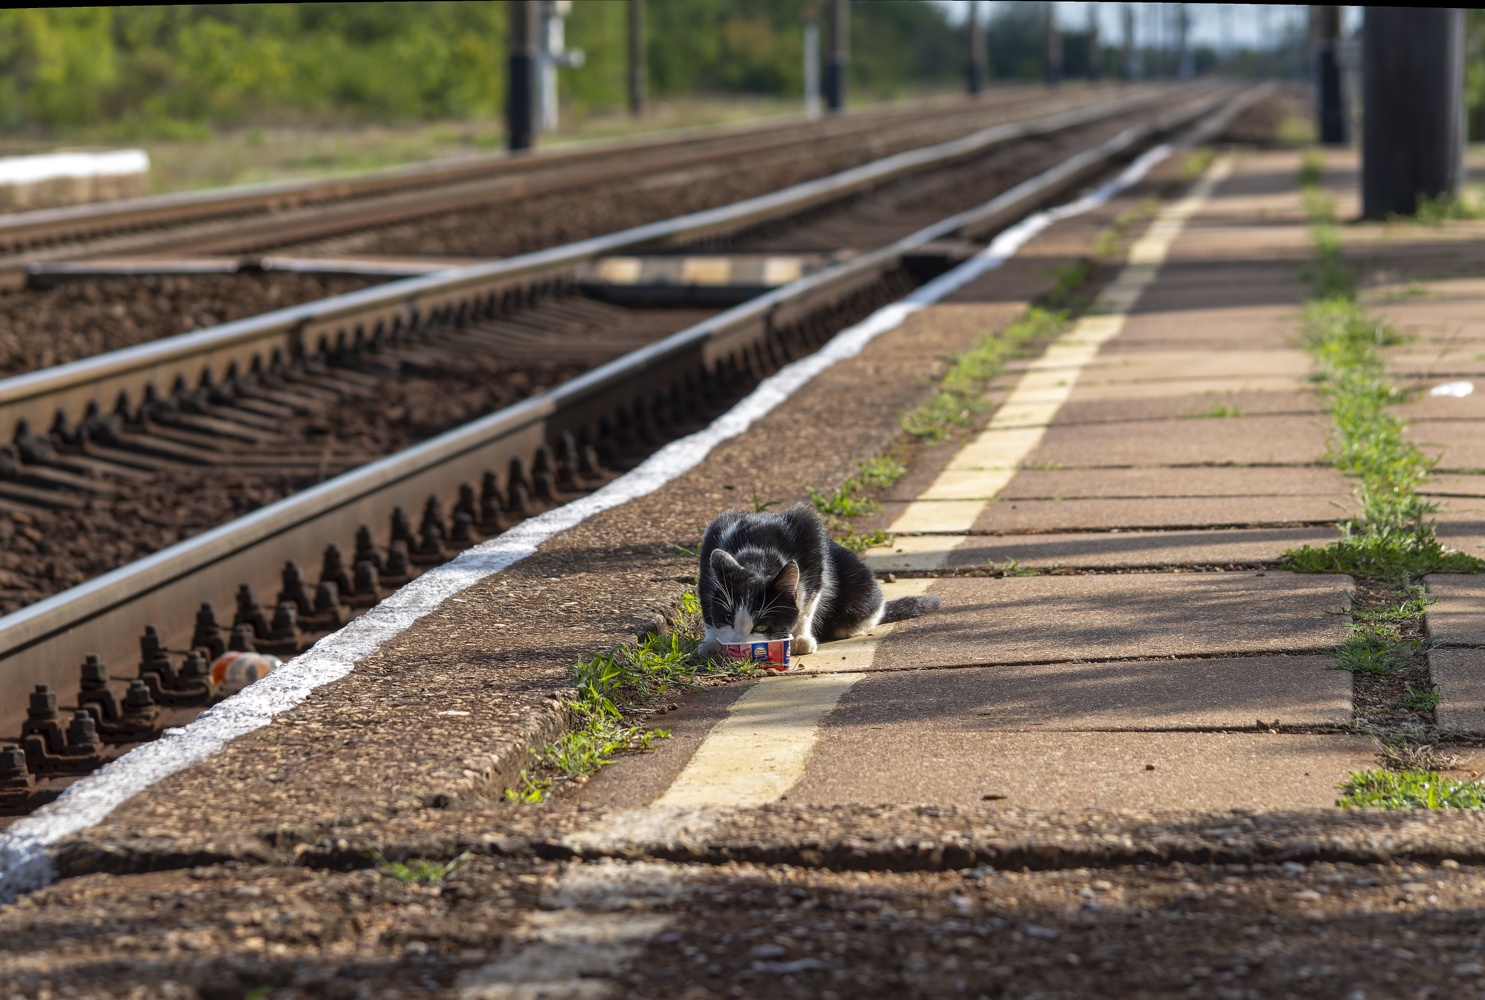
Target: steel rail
(45,226)
(216,353)
(44,642)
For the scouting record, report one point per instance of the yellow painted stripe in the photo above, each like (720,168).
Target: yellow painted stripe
(759,751)
(756,754)
(982,468)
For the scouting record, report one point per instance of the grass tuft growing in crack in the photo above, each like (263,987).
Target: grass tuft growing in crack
(419,870)
(961,394)
(1391,537)
(612,687)
(853,499)
(1408,790)
(1389,541)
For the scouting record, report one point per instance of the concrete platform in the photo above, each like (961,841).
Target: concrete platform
(1116,549)
(1242,440)
(1458,619)
(1229,693)
(1460,677)
(1079,770)
(1046,619)
(1217,481)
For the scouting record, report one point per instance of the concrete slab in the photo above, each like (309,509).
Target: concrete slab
(1458,444)
(1158,512)
(904,764)
(1455,485)
(1461,526)
(1219,481)
(1241,440)
(1426,407)
(1172,367)
(1049,619)
(1459,616)
(1098,408)
(1101,550)
(1459,675)
(1214,326)
(1145,695)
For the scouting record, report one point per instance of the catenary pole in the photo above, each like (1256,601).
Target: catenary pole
(976,49)
(636,56)
(1413,98)
(522,22)
(840,55)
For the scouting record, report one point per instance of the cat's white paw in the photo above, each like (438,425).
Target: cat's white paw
(804,645)
(710,647)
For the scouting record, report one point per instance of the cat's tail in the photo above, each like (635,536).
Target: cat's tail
(909,607)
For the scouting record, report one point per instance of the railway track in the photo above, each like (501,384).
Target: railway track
(274,580)
(238,224)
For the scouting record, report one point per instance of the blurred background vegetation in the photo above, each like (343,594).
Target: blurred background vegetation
(290,89)
(185,69)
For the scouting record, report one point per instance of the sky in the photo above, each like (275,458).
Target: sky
(1220,25)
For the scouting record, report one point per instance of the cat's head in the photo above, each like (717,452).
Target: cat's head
(751,602)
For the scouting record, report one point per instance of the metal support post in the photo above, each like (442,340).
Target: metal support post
(976,49)
(1413,120)
(522,22)
(636,56)
(1095,55)
(1054,46)
(840,55)
(1325,74)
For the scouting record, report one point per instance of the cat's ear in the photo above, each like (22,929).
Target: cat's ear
(724,564)
(787,582)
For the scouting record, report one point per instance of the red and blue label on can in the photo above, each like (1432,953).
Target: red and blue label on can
(770,654)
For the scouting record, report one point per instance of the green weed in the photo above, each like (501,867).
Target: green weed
(1221,410)
(852,499)
(961,393)
(1310,168)
(841,503)
(879,473)
(418,870)
(1425,700)
(611,683)
(1375,649)
(860,543)
(1408,790)
(1196,162)
(1391,538)
(1070,280)
(1435,211)
(759,506)
(1009,568)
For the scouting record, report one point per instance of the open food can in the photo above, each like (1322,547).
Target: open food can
(770,654)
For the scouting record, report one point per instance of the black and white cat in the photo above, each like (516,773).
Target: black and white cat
(769,576)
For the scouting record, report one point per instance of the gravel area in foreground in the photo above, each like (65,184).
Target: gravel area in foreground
(518,927)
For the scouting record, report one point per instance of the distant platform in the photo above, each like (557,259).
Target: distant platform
(51,180)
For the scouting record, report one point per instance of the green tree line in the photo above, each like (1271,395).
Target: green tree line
(157,67)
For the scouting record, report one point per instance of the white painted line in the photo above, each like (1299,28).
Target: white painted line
(981,469)
(25,847)
(756,754)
